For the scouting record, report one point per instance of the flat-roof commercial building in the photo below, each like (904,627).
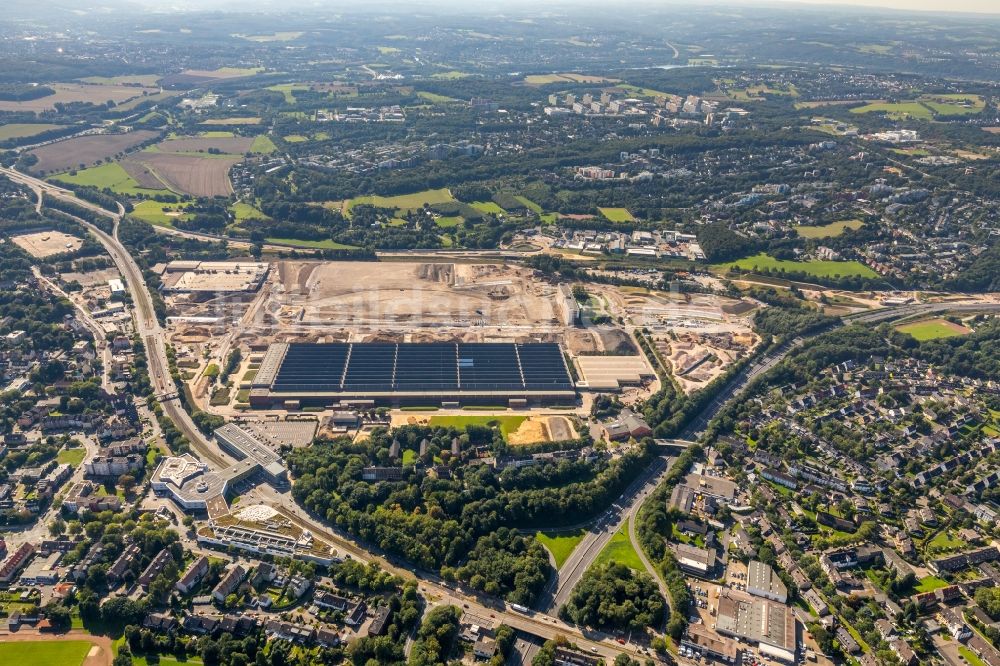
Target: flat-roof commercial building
(244,445)
(762,581)
(364,374)
(190,484)
(769,624)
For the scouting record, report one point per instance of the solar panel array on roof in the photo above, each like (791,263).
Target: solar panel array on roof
(543,366)
(318,367)
(417,367)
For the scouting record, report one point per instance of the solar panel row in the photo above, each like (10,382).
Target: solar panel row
(417,367)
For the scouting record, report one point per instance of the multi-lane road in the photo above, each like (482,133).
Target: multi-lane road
(538,624)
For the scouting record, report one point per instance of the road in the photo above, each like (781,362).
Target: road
(100,336)
(593,543)
(557,592)
(147,326)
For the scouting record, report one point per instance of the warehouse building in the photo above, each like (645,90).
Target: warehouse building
(449,374)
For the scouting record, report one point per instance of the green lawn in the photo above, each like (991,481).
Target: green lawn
(506,423)
(929,584)
(530,204)
(409,456)
(44,653)
(434,98)
(317,244)
(446,221)
(560,544)
(405,201)
(828,230)
(816,267)
(111,175)
(71,456)
(933,329)
(288,90)
(295,138)
(23,130)
(217,134)
(943,541)
(263,144)
(970,657)
(450,75)
(617,214)
(620,550)
(155,212)
(897,110)
(244,211)
(488,207)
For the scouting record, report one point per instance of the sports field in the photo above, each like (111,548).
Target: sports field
(507,424)
(44,653)
(617,214)
(405,201)
(933,329)
(828,230)
(818,268)
(560,544)
(620,550)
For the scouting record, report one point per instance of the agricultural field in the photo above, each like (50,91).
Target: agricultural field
(488,207)
(226,144)
(232,121)
(933,329)
(44,652)
(194,174)
(405,202)
(78,92)
(288,36)
(223,72)
(560,544)
(617,214)
(434,98)
(818,268)
(295,138)
(897,110)
(141,80)
(566,77)
(289,90)
(263,144)
(25,130)
(954,104)
(86,150)
(113,176)
(451,75)
(828,230)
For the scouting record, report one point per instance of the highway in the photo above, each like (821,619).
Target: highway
(147,326)
(627,506)
(154,338)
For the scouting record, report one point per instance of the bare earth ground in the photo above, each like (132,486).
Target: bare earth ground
(86,150)
(43,244)
(390,294)
(142,175)
(192,174)
(230,145)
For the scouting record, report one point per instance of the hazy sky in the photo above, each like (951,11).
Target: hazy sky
(984,6)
